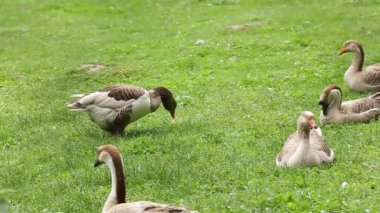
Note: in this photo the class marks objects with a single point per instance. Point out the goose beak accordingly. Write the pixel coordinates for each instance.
(172, 113)
(314, 127)
(98, 163)
(343, 50)
(325, 107)
(312, 124)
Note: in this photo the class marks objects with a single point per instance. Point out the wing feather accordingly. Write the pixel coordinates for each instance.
(124, 93)
(371, 75)
(288, 149)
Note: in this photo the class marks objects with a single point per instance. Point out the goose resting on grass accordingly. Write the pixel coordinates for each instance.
(116, 201)
(357, 78)
(354, 111)
(114, 107)
(305, 147)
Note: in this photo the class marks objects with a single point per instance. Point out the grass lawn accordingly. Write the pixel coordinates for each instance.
(239, 95)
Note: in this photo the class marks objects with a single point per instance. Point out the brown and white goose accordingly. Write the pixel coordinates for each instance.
(353, 111)
(116, 201)
(305, 147)
(357, 78)
(114, 107)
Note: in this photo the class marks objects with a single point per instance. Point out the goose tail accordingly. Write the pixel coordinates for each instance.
(331, 159)
(279, 163)
(78, 96)
(75, 105)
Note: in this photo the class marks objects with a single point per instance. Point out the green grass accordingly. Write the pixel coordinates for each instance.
(239, 97)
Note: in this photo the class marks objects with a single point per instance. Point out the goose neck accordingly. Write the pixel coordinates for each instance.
(117, 194)
(357, 62)
(155, 101)
(336, 103)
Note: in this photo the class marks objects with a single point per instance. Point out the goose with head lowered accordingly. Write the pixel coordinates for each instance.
(114, 107)
(354, 111)
(116, 201)
(357, 78)
(305, 147)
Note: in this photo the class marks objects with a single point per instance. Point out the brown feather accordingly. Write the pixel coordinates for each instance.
(371, 75)
(327, 90)
(124, 93)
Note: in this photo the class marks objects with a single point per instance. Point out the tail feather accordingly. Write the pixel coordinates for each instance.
(332, 157)
(77, 110)
(75, 107)
(78, 95)
(278, 161)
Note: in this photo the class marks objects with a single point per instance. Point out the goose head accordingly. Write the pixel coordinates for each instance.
(306, 121)
(330, 95)
(167, 99)
(351, 46)
(106, 154)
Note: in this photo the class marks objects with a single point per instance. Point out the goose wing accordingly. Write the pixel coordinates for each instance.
(371, 75)
(289, 148)
(124, 93)
(361, 105)
(357, 106)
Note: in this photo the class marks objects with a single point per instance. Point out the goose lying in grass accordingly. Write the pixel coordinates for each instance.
(113, 108)
(305, 147)
(358, 79)
(116, 201)
(354, 111)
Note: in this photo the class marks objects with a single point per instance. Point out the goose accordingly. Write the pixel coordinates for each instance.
(305, 147)
(357, 78)
(353, 111)
(113, 108)
(116, 201)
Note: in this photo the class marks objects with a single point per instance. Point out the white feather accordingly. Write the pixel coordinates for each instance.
(141, 107)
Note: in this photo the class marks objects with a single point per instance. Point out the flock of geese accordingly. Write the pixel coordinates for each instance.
(113, 108)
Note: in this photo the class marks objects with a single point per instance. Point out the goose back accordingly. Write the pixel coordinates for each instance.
(146, 207)
(371, 75)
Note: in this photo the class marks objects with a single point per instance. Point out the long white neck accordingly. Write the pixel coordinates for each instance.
(112, 197)
(117, 186)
